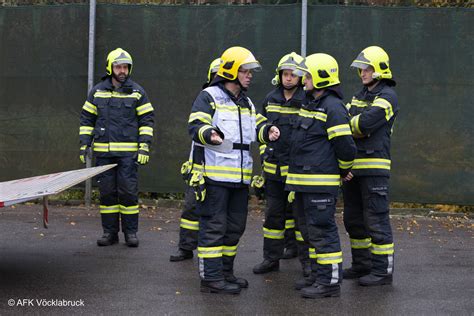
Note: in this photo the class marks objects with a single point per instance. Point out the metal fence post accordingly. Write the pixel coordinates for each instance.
(90, 83)
(304, 22)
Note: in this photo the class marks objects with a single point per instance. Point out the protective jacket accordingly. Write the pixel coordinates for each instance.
(322, 148)
(282, 113)
(236, 119)
(373, 114)
(115, 121)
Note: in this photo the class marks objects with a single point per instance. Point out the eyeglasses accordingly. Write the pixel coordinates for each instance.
(246, 72)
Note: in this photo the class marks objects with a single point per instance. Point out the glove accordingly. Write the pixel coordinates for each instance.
(84, 151)
(143, 155)
(186, 170)
(291, 196)
(199, 185)
(257, 184)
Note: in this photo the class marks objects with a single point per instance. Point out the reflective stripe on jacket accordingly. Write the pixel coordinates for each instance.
(322, 148)
(115, 121)
(373, 114)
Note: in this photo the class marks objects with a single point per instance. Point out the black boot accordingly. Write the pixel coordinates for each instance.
(320, 291)
(266, 266)
(352, 273)
(220, 287)
(304, 282)
(181, 254)
(131, 240)
(290, 253)
(234, 280)
(372, 280)
(107, 239)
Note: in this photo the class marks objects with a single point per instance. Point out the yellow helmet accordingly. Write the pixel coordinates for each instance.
(377, 58)
(118, 56)
(234, 58)
(213, 68)
(323, 69)
(289, 61)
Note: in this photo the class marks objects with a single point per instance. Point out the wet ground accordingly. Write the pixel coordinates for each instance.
(434, 272)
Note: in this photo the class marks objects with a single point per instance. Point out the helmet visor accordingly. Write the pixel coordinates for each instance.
(299, 72)
(287, 67)
(122, 61)
(255, 66)
(360, 65)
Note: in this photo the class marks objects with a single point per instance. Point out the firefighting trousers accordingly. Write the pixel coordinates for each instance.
(318, 227)
(278, 217)
(119, 194)
(366, 218)
(189, 223)
(223, 216)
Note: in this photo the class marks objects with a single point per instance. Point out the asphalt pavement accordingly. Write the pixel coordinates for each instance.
(42, 269)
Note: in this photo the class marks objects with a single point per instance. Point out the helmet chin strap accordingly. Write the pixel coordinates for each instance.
(241, 86)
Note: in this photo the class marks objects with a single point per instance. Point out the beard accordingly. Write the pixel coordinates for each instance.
(121, 77)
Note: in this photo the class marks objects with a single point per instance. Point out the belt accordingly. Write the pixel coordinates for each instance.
(241, 146)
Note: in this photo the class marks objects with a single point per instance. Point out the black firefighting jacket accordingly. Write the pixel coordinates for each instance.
(115, 121)
(282, 113)
(322, 147)
(373, 114)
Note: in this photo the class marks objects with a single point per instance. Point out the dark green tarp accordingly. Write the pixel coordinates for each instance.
(43, 80)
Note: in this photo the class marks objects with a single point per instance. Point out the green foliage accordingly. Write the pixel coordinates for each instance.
(404, 3)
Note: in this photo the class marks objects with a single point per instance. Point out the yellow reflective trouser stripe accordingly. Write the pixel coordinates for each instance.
(371, 163)
(361, 243)
(312, 253)
(289, 224)
(109, 209)
(339, 130)
(281, 109)
(355, 124)
(129, 210)
(187, 224)
(313, 179)
(284, 170)
(89, 107)
(86, 130)
(262, 149)
(269, 167)
(273, 233)
(261, 139)
(345, 164)
(329, 258)
(145, 130)
(384, 104)
(260, 119)
(210, 252)
(382, 249)
(298, 235)
(201, 116)
(145, 108)
(229, 251)
(313, 114)
(201, 133)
